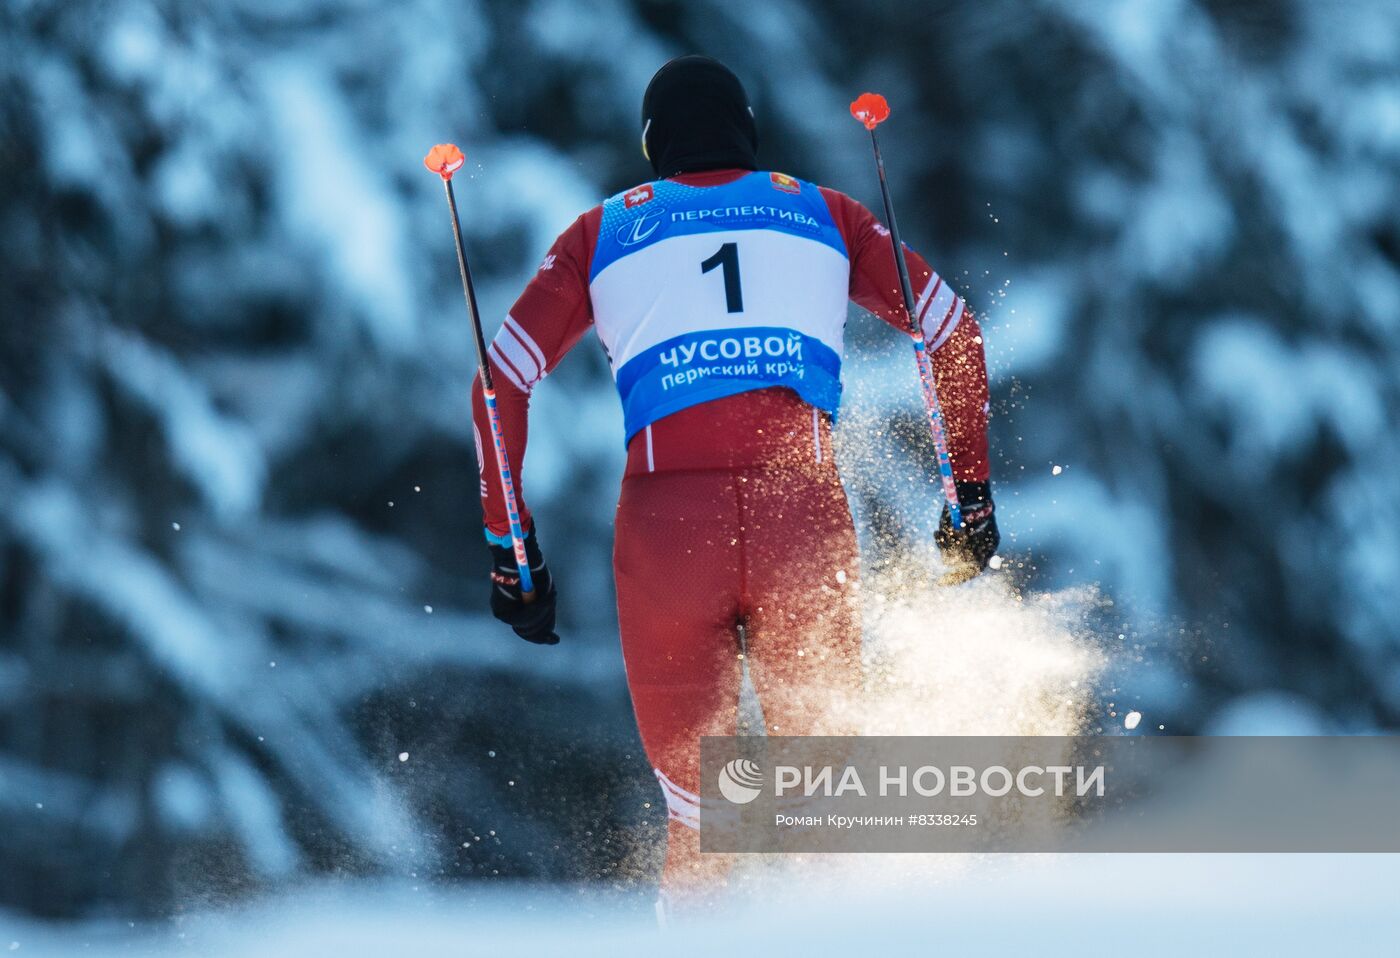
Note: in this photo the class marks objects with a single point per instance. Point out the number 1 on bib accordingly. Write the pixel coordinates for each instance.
(728, 257)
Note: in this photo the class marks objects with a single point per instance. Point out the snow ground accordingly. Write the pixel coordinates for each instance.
(1049, 905)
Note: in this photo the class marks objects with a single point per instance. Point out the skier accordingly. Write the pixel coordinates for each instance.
(719, 293)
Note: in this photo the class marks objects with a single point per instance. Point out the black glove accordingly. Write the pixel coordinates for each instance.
(969, 549)
(533, 621)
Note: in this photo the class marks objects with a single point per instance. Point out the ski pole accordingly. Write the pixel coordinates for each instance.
(871, 110)
(444, 160)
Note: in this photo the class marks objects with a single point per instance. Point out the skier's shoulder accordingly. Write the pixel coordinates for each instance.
(850, 215)
(583, 231)
(843, 205)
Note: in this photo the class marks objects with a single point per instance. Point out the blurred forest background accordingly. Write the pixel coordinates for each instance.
(243, 629)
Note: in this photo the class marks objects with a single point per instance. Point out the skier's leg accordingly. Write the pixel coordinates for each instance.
(676, 558)
(802, 575)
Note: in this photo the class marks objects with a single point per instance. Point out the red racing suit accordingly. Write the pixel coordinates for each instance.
(734, 541)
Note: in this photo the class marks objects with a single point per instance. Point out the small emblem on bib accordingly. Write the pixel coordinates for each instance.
(781, 181)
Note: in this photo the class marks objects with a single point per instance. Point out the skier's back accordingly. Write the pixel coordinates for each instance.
(719, 292)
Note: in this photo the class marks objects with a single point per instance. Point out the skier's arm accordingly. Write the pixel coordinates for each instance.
(550, 316)
(950, 330)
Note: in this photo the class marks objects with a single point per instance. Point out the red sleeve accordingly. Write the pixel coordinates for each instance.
(950, 330)
(550, 316)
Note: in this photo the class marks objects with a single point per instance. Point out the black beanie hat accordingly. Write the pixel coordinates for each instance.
(696, 116)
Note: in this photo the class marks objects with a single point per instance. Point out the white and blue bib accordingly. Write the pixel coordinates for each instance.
(701, 292)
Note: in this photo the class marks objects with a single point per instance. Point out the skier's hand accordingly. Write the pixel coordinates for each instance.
(532, 620)
(969, 549)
